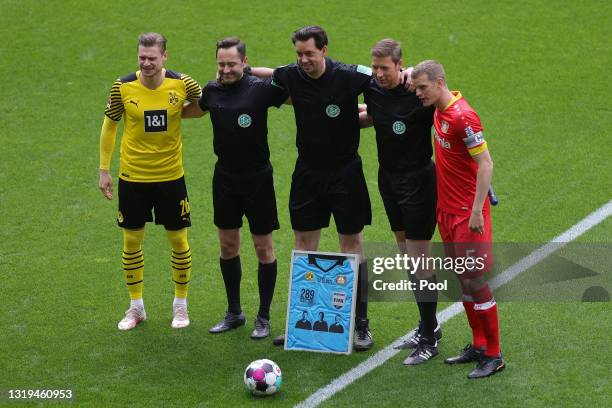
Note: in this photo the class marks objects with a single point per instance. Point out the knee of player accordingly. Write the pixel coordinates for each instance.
(265, 252)
(133, 238)
(178, 239)
(351, 247)
(305, 243)
(229, 248)
(473, 284)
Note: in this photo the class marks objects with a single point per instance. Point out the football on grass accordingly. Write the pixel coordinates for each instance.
(263, 377)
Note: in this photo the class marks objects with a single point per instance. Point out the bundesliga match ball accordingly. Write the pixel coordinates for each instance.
(263, 377)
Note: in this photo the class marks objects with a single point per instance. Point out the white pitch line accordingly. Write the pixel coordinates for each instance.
(378, 359)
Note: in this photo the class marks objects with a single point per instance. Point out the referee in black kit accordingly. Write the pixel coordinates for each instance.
(328, 177)
(406, 179)
(242, 182)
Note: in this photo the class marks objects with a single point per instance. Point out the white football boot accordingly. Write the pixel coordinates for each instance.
(133, 317)
(181, 317)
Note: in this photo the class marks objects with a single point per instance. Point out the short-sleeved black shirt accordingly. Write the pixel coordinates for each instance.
(403, 127)
(239, 115)
(326, 114)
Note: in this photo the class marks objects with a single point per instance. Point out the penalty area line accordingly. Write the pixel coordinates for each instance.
(382, 356)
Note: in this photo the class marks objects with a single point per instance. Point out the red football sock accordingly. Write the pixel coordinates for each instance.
(490, 323)
(479, 339)
(486, 310)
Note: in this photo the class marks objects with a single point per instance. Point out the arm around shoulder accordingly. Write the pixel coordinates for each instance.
(261, 72)
(192, 110)
(365, 120)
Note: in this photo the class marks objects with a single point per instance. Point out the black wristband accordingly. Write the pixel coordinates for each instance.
(248, 70)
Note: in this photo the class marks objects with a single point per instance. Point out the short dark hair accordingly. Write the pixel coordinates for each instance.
(308, 32)
(229, 42)
(151, 39)
(388, 48)
(432, 68)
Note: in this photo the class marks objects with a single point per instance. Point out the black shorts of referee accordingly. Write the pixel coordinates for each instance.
(317, 194)
(238, 194)
(409, 198)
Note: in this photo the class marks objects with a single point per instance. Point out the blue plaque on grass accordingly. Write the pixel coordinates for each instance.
(320, 309)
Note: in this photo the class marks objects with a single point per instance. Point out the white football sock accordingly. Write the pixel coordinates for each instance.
(137, 303)
(179, 302)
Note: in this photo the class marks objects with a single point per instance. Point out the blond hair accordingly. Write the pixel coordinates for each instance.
(151, 39)
(388, 48)
(433, 69)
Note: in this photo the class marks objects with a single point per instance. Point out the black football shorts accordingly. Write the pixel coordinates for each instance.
(316, 195)
(410, 200)
(167, 199)
(250, 194)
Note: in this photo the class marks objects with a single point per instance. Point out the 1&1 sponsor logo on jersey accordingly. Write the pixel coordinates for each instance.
(156, 120)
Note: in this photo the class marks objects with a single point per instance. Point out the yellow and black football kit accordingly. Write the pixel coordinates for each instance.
(151, 169)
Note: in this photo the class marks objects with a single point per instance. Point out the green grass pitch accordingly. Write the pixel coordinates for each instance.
(536, 71)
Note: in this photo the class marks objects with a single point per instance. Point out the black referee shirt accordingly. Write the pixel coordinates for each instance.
(403, 127)
(326, 114)
(239, 115)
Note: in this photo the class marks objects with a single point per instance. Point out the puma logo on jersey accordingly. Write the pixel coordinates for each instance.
(135, 103)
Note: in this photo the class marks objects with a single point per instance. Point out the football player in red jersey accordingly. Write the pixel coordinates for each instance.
(464, 169)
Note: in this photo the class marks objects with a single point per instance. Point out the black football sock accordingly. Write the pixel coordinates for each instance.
(361, 311)
(429, 304)
(429, 340)
(266, 279)
(232, 273)
(412, 277)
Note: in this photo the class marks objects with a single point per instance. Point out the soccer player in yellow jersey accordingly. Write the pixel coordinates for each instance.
(151, 169)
